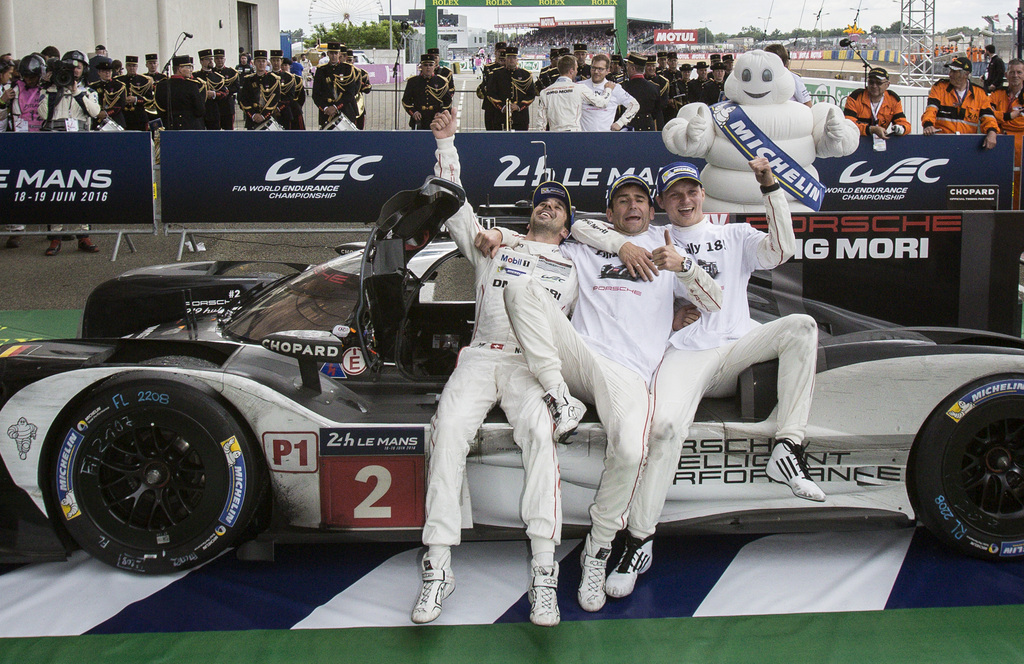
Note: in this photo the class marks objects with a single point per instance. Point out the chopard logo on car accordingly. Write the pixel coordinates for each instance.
(966, 403)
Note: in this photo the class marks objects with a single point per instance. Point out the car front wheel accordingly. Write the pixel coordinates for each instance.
(154, 475)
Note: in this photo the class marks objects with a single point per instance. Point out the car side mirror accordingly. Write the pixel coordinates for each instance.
(310, 348)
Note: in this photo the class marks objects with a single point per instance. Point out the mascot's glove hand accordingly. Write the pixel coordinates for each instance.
(834, 125)
(896, 130)
(698, 125)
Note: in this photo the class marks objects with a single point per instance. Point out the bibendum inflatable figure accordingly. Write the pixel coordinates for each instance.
(762, 86)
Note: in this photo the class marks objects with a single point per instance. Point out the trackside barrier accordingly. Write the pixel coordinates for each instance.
(295, 179)
(95, 178)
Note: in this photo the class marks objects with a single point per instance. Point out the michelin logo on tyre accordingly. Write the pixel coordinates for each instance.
(236, 479)
(982, 394)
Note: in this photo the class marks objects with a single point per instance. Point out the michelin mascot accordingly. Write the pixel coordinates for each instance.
(760, 120)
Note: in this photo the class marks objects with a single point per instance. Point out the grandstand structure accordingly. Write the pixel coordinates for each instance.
(598, 33)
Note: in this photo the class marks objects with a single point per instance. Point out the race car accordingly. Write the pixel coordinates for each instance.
(214, 405)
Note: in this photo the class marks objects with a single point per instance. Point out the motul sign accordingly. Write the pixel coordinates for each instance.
(663, 37)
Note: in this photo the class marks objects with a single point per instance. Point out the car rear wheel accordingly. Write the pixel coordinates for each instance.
(155, 475)
(966, 470)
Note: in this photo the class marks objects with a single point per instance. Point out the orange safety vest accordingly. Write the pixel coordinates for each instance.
(949, 115)
(858, 109)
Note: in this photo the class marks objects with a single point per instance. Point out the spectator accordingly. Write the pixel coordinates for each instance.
(877, 111)
(603, 119)
(800, 94)
(957, 106)
(560, 105)
(1008, 106)
(70, 108)
(996, 73)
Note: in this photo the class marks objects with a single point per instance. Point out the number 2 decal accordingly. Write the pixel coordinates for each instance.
(367, 509)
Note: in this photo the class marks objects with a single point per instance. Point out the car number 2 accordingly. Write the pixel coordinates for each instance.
(368, 509)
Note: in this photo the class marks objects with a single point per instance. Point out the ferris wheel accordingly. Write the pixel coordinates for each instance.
(353, 12)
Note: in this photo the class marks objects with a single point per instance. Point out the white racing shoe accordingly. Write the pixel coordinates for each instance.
(591, 593)
(438, 583)
(544, 596)
(636, 559)
(566, 411)
(787, 466)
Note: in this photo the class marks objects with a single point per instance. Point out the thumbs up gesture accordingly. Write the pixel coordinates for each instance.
(666, 257)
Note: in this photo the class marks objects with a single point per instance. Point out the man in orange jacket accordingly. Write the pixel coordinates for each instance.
(876, 110)
(1008, 105)
(957, 106)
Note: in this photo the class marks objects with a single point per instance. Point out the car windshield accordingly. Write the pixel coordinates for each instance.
(317, 299)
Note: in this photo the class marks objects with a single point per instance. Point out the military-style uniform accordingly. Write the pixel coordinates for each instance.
(289, 106)
(695, 86)
(226, 94)
(112, 94)
(583, 71)
(515, 86)
(260, 94)
(210, 81)
(646, 94)
(442, 71)
(426, 96)
(179, 100)
(676, 96)
(618, 76)
(335, 85)
(549, 74)
(364, 89)
(141, 87)
(492, 120)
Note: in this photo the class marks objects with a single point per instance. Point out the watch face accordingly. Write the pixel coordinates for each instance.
(687, 264)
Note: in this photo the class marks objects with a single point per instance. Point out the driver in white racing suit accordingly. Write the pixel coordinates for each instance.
(560, 105)
(706, 358)
(491, 369)
(607, 354)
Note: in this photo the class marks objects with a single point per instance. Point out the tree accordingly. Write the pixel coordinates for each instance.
(367, 35)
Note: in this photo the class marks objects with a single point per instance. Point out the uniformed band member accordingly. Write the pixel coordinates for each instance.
(335, 85)
(492, 118)
(727, 59)
(616, 73)
(713, 90)
(112, 94)
(211, 82)
(645, 92)
(426, 94)
(179, 100)
(293, 95)
(226, 95)
(511, 91)
(695, 87)
(153, 68)
(140, 90)
(583, 69)
(676, 89)
(260, 94)
(440, 70)
(364, 88)
(652, 74)
(549, 74)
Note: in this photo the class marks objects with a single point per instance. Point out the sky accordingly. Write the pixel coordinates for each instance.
(719, 16)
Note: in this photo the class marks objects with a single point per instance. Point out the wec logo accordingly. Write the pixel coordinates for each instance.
(334, 168)
(902, 171)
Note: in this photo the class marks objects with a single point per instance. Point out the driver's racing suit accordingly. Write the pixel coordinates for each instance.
(491, 369)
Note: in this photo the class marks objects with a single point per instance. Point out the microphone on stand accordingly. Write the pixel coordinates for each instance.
(188, 35)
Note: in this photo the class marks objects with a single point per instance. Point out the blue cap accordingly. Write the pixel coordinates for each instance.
(622, 181)
(676, 171)
(553, 189)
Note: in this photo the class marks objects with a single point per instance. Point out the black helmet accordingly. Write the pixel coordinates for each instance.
(32, 65)
(75, 56)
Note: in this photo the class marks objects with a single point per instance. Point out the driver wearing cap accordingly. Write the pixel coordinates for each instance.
(706, 358)
(490, 370)
(607, 354)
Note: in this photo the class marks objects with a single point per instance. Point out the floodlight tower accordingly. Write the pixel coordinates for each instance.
(917, 42)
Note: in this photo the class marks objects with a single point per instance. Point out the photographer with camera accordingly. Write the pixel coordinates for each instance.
(67, 104)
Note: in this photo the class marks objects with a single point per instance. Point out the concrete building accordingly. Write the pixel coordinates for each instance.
(137, 27)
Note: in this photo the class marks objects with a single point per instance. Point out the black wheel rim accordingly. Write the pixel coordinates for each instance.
(983, 469)
(151, 479)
